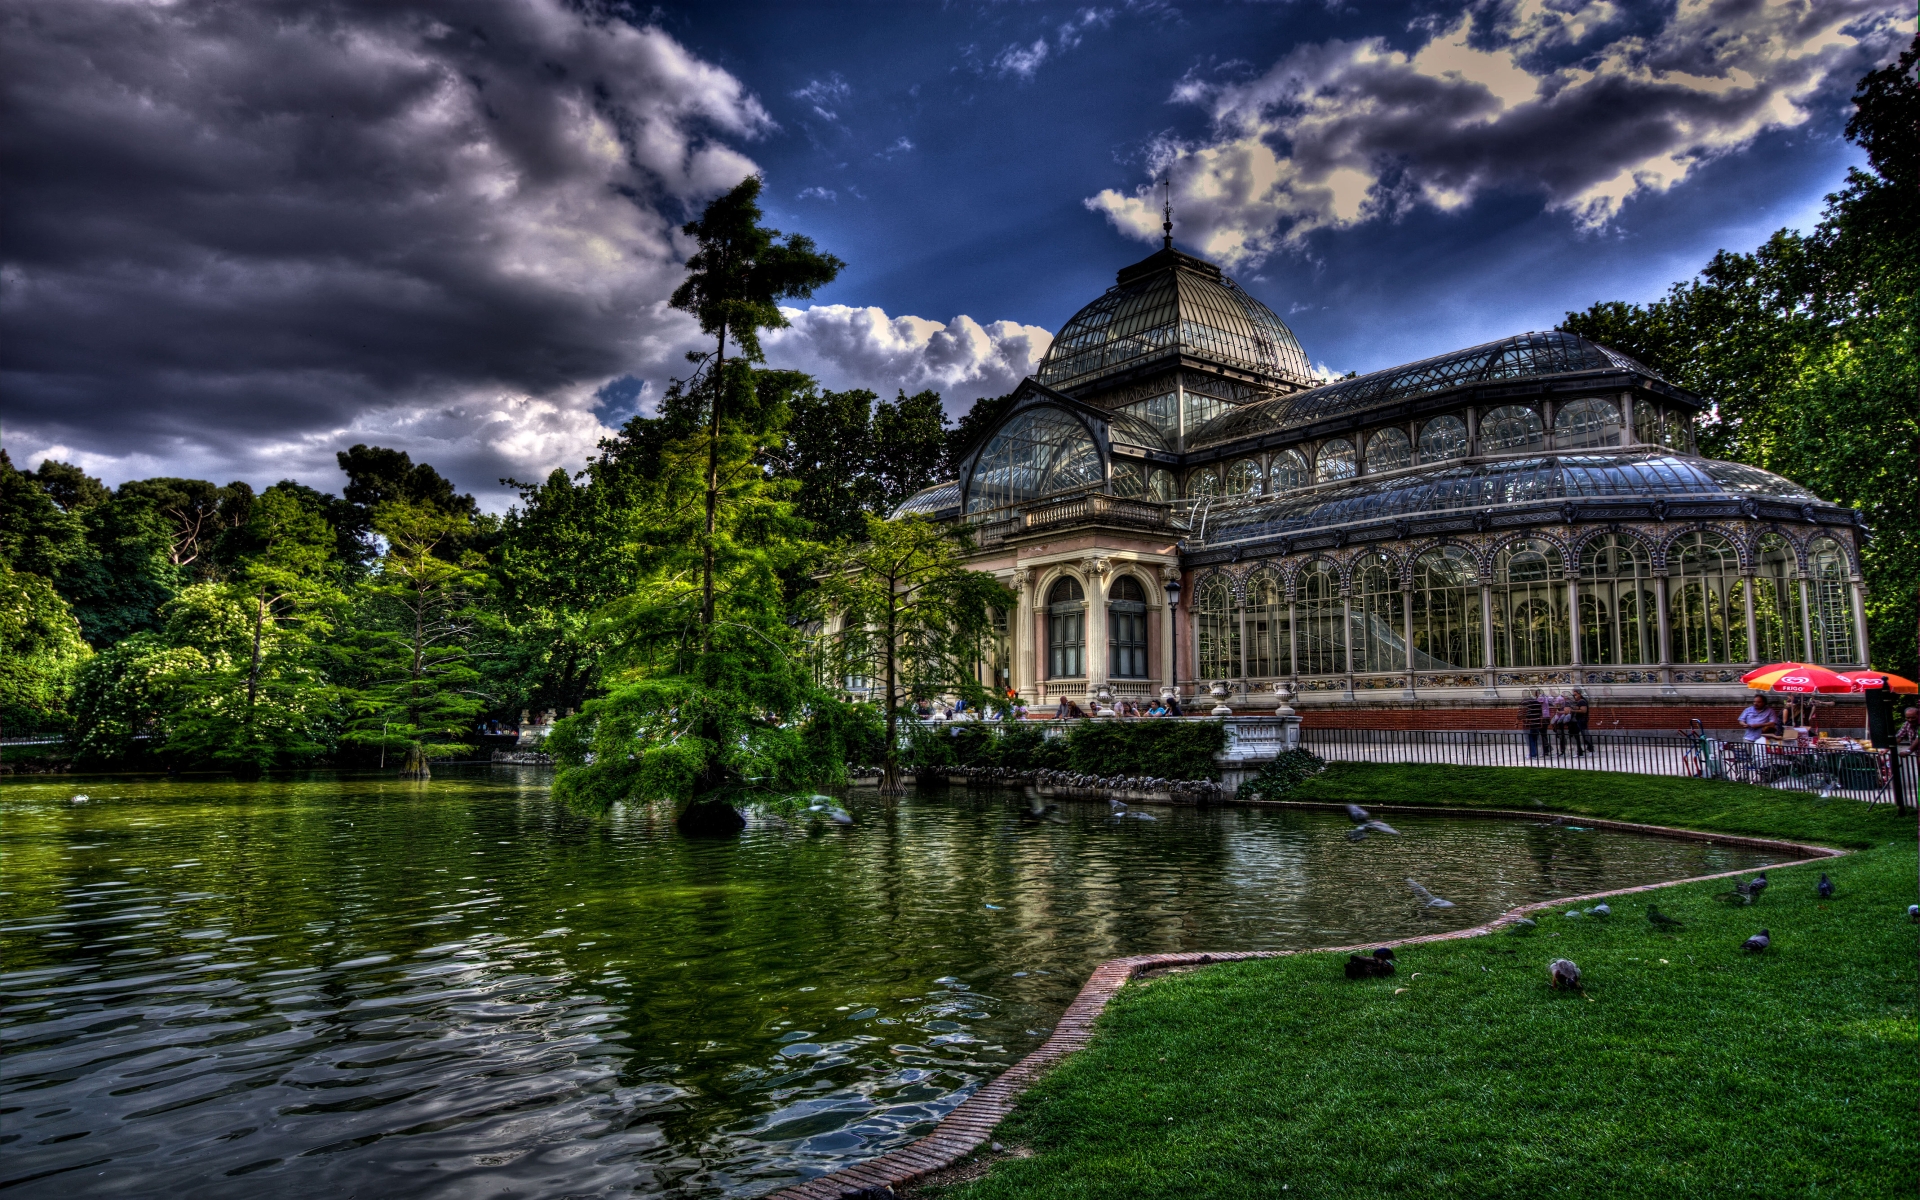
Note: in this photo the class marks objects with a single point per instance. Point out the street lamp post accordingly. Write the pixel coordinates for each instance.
(1173, 640)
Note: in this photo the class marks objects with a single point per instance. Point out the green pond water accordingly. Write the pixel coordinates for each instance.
(350, 986)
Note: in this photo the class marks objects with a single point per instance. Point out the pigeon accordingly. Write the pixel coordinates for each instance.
(1521, 924)
(1380, 827)
(1358, 815)
(1379, 965)
(1824, 887)
(1748, 892)
(79, 798)
(1758, 942)
(834, 813)
(1913, 912)
(1663, 921)
(1600, 910)
(1121, 812)
(1574, 914)
(1038, 811)
(1427, 899)
(994, 907)
(1563, 975)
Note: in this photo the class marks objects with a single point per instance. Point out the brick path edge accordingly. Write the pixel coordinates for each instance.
(972, 1121)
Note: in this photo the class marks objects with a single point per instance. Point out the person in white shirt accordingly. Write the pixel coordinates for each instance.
(1758, 717)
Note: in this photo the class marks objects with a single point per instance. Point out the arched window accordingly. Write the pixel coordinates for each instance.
(1244, 478)
(1778, 621)
(1388, 450)
(1443, 438)
(1218, 629)
(1708, 622)
(1269, 648)
(1581, 424)
(1066, 630)
(1529, 606)
(1447, 626)
(1138, 482)
(1511, 429)
(1127, 628)
(1831, 610)
(1336, 460)
(1657, 428)
(1323, 633)
(1203, 483)
(1378, 644)
(1038, 453)
(1619, 615)
(1288, 471)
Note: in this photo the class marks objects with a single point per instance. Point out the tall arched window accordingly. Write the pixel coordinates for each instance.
(1137, 482)
(1831, 609)
(1244, 478)
(1288, 471)
(1336, 460)
(1203, 483)
(1323, 632)
(1619, 614)
(1443, 438)
(1708, 622)
(1581, 424)
(1066, 630)
(1127, 628)
(1529, 606)
(1217, 619)
(1269, 648)
(1388, 450)
(1041, 451)
(1511, 429)
(1447, 629)
(1657, 428)
(1777, 617)
(1378, 644)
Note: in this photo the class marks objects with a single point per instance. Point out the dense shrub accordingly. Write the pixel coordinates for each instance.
(1283, 774)
(1156, 749)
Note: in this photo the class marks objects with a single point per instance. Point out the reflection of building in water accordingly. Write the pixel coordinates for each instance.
(1527, 513)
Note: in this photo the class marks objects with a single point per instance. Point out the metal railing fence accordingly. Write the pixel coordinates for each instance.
(1826, 772)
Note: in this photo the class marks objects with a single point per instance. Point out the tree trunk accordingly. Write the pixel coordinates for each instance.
(416, 764)
(890, 784)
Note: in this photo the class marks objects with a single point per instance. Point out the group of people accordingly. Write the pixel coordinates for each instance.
(1015, 709)
(1553, 724)
(1166, 707)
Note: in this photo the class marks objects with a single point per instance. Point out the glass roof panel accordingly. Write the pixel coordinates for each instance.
(1447, 488)
(1525, 355)
(1183, 304)
(940, 497)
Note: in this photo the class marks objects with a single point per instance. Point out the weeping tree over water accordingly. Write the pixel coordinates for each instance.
(712, 701)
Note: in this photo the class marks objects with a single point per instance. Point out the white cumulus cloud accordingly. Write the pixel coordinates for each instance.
(962, 359)
(1566, 98)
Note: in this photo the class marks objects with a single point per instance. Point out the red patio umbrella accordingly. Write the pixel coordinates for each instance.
(1868, 680)
(1796, 679)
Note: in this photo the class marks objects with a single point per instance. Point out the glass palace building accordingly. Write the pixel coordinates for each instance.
(1176, 500)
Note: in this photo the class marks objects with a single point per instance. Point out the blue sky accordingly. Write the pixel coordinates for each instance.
(242, 239)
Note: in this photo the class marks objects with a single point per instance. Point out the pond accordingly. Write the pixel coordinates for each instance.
(354, 986)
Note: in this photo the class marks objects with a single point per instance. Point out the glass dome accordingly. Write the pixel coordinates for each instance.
(1640, 476)
(1172, 302)
(1040, 451)
(1526, 355)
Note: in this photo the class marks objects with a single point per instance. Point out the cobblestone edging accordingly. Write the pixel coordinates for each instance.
(972, 1122)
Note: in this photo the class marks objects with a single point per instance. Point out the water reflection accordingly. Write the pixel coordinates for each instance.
(349, 985)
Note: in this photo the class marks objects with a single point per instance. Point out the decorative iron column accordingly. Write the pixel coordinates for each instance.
(1573, 622)
(1486, 635)
(1626, 418)
(1346, 631)
(1406, 610)
(1856, 588)
(1293, 638)
(1806, 619)
(1753, 629)
(1663, 633)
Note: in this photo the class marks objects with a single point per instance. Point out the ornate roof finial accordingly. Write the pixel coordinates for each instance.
(1166, 226)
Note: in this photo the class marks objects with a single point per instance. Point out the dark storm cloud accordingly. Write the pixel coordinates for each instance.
(1583, 101)
(238, 234)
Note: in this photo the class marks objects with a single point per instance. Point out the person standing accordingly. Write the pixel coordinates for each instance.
(1561, 723)
(1532, 721)
(1582, 716)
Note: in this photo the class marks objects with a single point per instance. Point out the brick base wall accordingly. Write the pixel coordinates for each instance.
(1657, 718)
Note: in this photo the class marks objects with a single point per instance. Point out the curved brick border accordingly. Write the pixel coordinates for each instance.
(972, 1122)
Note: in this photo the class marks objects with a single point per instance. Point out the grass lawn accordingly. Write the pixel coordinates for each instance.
(1688, 1068)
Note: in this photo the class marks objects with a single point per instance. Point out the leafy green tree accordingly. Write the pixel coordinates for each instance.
(1807, 348)
(376, 476)
(269, 706)
(909, 446)
(119, 585)
(705, 713)
(40, 651)
(196, 514)
(411, 653)
(36, 536)
(911, 615)
(829, 453)
(131, 692)
(71, 488)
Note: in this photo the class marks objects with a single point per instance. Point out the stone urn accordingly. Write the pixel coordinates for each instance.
(1220, 691)
(1103, 701)
(1283, 694)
